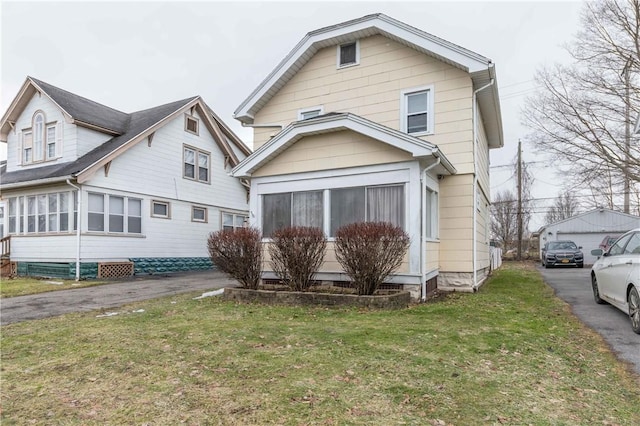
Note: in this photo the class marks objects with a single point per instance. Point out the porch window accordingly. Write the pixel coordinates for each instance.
(432, 213)
(367, 204)
(292, 209)
(13, 217)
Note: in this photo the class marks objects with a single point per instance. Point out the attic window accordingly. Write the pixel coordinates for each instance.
(191, 124)
(348, 54)
(306, 113)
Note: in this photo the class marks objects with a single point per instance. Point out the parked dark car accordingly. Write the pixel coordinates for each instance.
(562, 253)
(608, 241)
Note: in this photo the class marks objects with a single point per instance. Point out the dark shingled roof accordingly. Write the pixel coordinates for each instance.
(136, 123)
(86, 110)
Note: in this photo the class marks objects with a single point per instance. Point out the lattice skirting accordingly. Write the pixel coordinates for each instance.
(115, 269)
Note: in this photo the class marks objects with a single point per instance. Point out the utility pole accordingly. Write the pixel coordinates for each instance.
(627, 133)
(519, 212)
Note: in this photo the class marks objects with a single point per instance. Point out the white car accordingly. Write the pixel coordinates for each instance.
(615, 277)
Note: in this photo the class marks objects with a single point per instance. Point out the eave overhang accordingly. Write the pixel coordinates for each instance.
(336, 122)
(480, 68)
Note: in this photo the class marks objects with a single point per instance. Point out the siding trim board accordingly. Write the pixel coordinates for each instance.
(334, 122)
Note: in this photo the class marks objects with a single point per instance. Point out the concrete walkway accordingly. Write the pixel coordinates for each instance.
(54, 303)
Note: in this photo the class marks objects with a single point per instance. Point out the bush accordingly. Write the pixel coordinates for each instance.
(369, 252)
(296, 255)
(238, 253)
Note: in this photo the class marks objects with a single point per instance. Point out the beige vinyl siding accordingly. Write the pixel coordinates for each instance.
(372, 90)
(456, 223)
(332, 151)
(483, 156)
(433, 255)
(330, 263)
(482, 242)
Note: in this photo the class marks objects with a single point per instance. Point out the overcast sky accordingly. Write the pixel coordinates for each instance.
(132, 56)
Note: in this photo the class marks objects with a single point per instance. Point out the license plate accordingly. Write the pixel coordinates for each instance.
(565, 260)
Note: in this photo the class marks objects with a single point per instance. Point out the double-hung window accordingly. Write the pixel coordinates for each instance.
(112, 213)
(196, 164)
(417, 111)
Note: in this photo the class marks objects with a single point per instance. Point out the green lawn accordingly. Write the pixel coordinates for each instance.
(510, 354)
(21, 286)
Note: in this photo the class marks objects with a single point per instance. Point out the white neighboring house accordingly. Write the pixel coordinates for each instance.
(588, 229)
(88, 185)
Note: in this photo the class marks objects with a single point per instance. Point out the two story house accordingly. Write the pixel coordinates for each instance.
(375, 120)
(90, 191)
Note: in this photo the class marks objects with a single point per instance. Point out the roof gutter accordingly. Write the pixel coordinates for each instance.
(46, 181)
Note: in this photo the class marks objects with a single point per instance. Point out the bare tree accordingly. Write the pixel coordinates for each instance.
(564, 207)
(504, 219)
(581, 112)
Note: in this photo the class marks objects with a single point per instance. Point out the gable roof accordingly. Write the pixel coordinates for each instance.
(633, 218)
(335, 122)
(139, 125)
(480, 68)
(76, 109)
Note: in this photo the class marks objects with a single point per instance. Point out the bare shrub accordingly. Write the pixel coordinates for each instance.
(369, 252)
(238, 253)
(296, 255)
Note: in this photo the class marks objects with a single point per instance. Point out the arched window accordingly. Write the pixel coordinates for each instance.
(38, 136)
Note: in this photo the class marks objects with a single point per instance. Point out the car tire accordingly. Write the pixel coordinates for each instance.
(634, 309)
(580, 265)
(596, 292)
(546, 265)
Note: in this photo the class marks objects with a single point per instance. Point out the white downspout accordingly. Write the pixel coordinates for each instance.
(423, 231)
(79, 204)
(475, 184)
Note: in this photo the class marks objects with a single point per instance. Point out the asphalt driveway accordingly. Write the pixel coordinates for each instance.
(574, 287)
(43, 305)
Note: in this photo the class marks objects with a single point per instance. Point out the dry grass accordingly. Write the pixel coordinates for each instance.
(511, 354)
(21, 286)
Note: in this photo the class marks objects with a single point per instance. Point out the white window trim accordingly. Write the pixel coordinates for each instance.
(206, 214)
(319, 108)
(159, 216)
(430, 109)
(357, 62)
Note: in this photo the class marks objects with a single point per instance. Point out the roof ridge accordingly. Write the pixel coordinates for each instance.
(40, 83)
